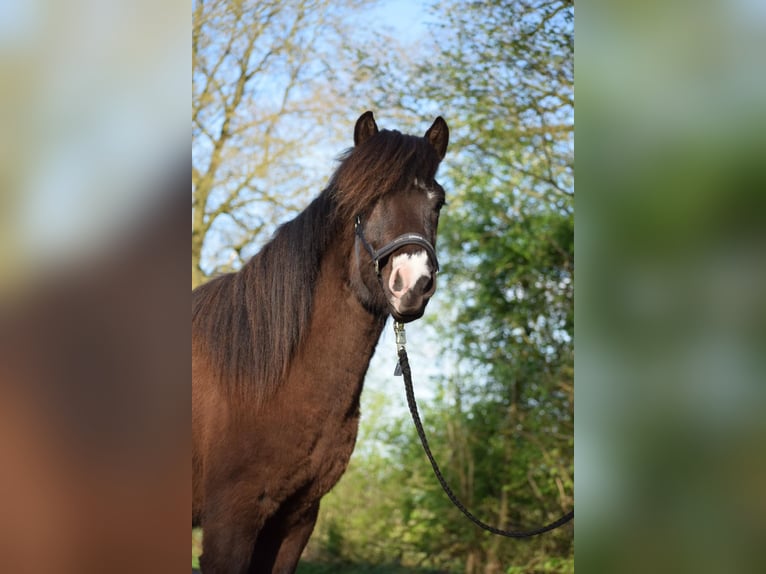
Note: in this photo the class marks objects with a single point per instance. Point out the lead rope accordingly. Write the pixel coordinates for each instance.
(403, 368)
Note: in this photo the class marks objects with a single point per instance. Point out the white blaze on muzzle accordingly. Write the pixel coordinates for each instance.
(406, 270)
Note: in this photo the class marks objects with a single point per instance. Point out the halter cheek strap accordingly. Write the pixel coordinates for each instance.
(401, 241)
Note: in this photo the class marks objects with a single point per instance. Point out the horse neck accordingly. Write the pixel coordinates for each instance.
(335, 354)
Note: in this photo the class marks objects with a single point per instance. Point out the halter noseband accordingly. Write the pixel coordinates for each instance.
(401, 241)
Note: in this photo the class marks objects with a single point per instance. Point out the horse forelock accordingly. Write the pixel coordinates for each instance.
(386, 162)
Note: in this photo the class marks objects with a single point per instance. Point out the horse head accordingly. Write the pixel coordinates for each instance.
(397, 262)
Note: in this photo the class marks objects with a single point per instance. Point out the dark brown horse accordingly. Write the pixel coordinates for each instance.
(280, 349)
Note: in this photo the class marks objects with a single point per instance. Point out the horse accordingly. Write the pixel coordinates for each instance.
(281, 347)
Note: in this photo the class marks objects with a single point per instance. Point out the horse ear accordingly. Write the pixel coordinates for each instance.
(438, 136)
(365, 128)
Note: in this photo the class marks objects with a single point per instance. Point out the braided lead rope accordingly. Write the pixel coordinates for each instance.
(404, 367)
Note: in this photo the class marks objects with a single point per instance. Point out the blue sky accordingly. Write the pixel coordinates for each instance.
(405, 18)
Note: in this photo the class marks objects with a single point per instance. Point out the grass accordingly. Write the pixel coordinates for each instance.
(333, 568)
(311, 567)
(196, 546)
(325, 568)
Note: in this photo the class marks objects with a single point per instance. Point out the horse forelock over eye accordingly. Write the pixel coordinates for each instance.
(421, 184)
(431, 191)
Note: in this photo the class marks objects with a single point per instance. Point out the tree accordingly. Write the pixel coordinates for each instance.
(263, 91)
(507, 78)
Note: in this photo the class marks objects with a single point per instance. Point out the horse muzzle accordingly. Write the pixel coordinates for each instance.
(410, 284)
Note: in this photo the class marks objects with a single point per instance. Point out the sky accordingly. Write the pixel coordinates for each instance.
(405, 18)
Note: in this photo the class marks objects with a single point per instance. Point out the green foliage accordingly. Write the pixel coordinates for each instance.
(506, 77)
(196, 546)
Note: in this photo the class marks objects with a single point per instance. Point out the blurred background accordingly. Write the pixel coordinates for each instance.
(671, 318)
(94, 359)
(94, 400)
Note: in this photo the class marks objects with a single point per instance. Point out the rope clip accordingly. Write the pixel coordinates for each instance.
(401, 341)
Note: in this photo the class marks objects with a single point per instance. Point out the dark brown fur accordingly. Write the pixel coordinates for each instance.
(280, 350)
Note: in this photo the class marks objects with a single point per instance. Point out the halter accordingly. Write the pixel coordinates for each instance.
(401, 241)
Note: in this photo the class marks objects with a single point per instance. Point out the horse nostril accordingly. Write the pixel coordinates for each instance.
(397, 283)
(429, 284)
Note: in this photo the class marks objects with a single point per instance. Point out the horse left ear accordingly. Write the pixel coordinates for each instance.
(365, 128)
(438, 136)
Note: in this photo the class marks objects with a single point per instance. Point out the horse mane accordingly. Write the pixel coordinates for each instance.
(251, 322)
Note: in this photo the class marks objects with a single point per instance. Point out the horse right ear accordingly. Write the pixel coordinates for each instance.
(365, 128)
(438, 136)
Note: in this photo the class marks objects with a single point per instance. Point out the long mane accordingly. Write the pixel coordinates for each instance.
(252, 322)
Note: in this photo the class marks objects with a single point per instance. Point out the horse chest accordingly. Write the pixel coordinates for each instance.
(305, 443)
(327, 442)
(333, 450)
(323, 395)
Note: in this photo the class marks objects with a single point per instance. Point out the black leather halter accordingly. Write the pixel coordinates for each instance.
(401, 241)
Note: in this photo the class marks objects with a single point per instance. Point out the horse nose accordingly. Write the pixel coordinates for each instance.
(411, 272)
